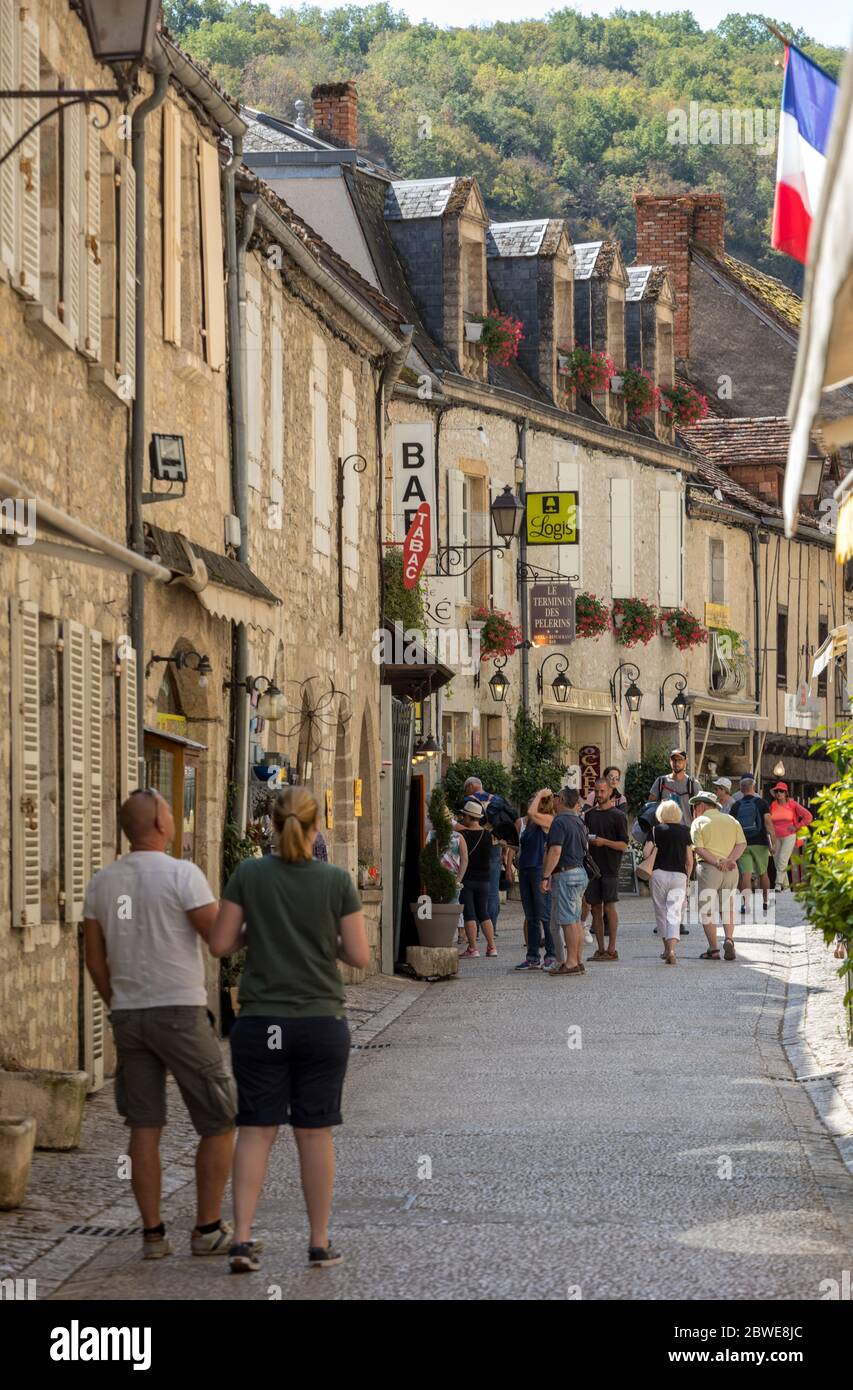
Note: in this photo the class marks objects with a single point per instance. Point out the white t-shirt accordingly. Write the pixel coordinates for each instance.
(154, 954)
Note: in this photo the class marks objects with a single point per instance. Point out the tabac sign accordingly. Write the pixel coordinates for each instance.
(551, 518)
(414, 475)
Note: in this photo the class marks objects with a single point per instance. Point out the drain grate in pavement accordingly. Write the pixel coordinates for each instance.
(101, 1232)
(367, 1047)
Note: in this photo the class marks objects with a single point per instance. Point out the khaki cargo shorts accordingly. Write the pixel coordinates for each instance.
(718, 891)
(179, 1039)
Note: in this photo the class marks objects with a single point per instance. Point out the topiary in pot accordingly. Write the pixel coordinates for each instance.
(442, 888)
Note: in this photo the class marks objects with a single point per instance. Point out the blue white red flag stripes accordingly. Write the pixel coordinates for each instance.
(808, 101)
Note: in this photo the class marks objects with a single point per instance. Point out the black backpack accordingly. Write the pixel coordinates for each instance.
(501, 820)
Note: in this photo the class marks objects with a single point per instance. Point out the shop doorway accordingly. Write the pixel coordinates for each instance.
(171, 768)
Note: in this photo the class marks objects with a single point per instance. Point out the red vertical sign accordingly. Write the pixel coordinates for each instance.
(416, 546)
(590, 763)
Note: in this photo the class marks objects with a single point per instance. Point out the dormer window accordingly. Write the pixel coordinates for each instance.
(473, 260)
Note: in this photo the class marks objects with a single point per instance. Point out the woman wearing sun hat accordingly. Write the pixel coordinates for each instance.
(475, 882)
(788, 817)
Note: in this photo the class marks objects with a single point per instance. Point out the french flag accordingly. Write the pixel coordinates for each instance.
(808, 101)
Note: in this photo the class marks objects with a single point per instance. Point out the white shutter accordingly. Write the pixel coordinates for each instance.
(26, 788)
(27, 280)
(458, 525)
(213, 259)
(172, 224)
(322, 461)
(91, 335)
(94, 1013)
(669, 548)
(254, 383)
(352, 479)
(621, 538)
(128, 727)
(74, 660)
(569, 556)
(10, 113)
(94, 1028)
(73, 265)
(126, 366)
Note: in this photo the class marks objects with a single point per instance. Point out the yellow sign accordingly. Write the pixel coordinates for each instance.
(356, 797)
(172, 724)
(330, 820)
(551, 518)
(718, 615)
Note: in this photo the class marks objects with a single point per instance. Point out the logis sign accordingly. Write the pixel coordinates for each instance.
(413, 448)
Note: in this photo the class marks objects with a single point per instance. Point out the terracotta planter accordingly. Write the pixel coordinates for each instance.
(441, 928)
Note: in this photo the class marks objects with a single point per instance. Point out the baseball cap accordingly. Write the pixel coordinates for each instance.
(723, 782)
(780, 787)
(709, 798)
(747, 777)
(678, 753)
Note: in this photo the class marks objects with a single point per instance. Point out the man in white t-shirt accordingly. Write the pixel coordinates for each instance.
(145, 917)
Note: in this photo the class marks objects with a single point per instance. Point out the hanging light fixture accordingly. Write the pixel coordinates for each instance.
(272, 704)
(120, 31)
(633, 697)
(506, 514)
(679, 706)
(430, 747)
(499, 685)
(560, 687)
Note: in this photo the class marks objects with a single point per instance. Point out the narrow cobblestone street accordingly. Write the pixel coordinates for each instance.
(598, 1171)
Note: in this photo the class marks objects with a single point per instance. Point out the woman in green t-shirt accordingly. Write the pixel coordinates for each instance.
(290, 1044)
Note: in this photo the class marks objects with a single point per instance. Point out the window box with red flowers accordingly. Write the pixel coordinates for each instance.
(686, 405)
(591, 616)
(500, 336)
(632, 620)
(682, 628)
(498, 636)
(584, 369)
(639, 392)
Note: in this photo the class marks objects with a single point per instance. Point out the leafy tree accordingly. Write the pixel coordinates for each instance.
(537, 760)
(640, 776)
(827, 857)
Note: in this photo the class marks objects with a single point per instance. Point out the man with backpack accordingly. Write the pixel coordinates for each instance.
(753, 814)
(501, 818)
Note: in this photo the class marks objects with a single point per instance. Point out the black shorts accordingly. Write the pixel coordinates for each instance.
(290, 1070)
(602, 890)
(475, 902)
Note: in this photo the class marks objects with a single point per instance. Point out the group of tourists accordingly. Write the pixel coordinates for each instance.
(145, 918)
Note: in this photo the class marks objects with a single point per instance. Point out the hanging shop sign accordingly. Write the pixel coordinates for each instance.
(172, 724)
(416, 546)
(590, 765)
(718, 615)
(552, 614)
(356, 797)
(551, 518)
(802, 710)
(413, 452)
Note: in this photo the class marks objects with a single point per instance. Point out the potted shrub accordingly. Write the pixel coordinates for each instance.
(500, 335)
(682, 628)
(686, 403)
(590, 615)
(442, 889)
(498, 636)
(641, 394)
(633, 620)
(587, 369)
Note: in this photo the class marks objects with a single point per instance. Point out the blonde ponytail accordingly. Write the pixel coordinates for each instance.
(294, 815)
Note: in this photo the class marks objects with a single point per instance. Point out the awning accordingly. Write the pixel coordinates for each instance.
(235, 607)
(225, 587)
(419, 676)
(735, 721)
(825, 356)
(177, 739)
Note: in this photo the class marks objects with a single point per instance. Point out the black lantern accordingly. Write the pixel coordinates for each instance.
(506, 514)
(430, 746)
(120, 31)
(499, 685)
(633, 696)
(680, 704)
(560, 687)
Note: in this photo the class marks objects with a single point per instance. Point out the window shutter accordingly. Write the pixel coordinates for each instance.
(28, 278)
(74, 660)
(254, 383)
(276, 394)
(458, 524)
(94, 1028)
(94, 1012)
(621, 538)
(10, 182)
(669, 548)
(213, 261)
(128, 727)
(26, 837)
(172, 224)
(91, 335)
(126, 365)
(73, 265)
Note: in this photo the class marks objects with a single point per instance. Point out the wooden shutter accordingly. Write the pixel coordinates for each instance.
(94, 1029)
(30, 189)
(212, 258)
(172, 224)
(26, 788)
(93, 268)
(10, 113)
(669, 548)
(73, 265)
(458, 525)
(128, 727)
(74, 798)
(621, 538)
(126, 365)
(254, 383)
(94, 1012)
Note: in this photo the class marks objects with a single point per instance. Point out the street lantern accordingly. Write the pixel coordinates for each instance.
(271, 704)
(430, 746)
(680, 703)
(633, 696)
(506, 514)
(499, 685)
(120, 31)
(560, 687)
(679, 706)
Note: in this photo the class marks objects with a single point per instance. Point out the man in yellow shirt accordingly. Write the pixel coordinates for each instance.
(719, 842)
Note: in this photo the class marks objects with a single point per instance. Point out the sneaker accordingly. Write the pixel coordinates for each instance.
(587, 936)
(469, 951)
(155, 1247)
(213, 1242)
(530, 965)
(322, 1259)
(548, 962)
(685, 931)
(244, 1257)
(654, 931)
(491, 950)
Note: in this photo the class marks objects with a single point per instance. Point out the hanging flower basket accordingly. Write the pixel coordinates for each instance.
(590, 616)
(498, 636)
(587, 370)
(687, 404)
(499, 337)
(473, 331)
(633, 620)
(641, 394)
(682, 628)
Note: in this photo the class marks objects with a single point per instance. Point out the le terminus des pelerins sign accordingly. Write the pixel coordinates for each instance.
(552, 614)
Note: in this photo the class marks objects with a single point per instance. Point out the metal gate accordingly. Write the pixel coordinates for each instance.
(402, 742)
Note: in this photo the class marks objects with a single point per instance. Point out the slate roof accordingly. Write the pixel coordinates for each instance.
(516, 238)
(586, 255)
(221, 569)
(644, 282)
(267, 133)
(415, 198)
(759, 439)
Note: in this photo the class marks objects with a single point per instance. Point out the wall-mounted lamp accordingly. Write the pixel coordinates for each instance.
(633, 695)
(185, 661)
(560, 685)
(272, 704)
(680, 704)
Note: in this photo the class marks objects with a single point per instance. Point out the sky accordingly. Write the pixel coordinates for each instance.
(828, 21)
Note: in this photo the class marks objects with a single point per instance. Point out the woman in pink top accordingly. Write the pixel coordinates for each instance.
(788, 817)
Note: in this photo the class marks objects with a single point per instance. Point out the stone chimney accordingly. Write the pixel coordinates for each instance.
(336, 113)
(666, 227)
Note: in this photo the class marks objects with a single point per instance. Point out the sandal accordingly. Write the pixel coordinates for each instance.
(729, 949)
(669, 958)
(598, 955)
(568, 970)
(710, 955)
(611, 955)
